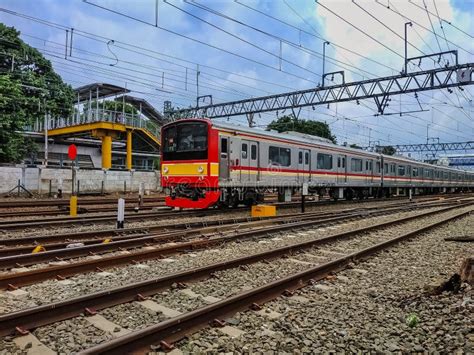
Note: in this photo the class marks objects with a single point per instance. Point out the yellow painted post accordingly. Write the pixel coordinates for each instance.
(129, 150)
(73, 206)
(106, 152)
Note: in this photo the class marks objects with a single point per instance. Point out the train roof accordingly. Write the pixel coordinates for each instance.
(314, 140)
(297, 138)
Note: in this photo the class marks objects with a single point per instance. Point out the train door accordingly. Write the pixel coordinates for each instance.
(341, 168)
(371, 171)
(303, 165)
(224, 158)
(249, 161)
(254, 162)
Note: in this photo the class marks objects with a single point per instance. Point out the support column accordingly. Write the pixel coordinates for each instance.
(106, 152)
(129, 150)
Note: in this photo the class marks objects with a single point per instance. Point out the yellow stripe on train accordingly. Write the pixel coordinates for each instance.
(189, 169)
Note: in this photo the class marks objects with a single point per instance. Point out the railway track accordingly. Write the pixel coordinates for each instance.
(173, 329)
(55, 241)
(65, 202)
(183, 241)
(167, 212)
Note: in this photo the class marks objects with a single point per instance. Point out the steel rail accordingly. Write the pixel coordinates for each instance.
(114, 233)
(69, 253)
(62, 240)
(176, 328)
(80, 210)
(65, 202)
(46, 314)
(110, 217)
(62, 271)
(295, 221)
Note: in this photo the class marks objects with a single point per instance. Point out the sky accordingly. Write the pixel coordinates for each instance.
(248, 48)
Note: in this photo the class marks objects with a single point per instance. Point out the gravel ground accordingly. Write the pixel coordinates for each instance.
(71, 336)
(7, 347)
(52, 290)
(365, 308)
(50, 230)
(132, 316)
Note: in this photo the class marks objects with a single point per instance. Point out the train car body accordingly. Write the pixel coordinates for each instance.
(205, 163)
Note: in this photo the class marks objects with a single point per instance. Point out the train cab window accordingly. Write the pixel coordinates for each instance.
(300, 158)
(184, 141)
(253, 152)
(324, 161)
(306, 158)
(244, 150)
(223, 145)
(356, 164)
(401, 170)
(279, 156)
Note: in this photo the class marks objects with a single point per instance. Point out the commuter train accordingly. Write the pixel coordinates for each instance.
(207, 163)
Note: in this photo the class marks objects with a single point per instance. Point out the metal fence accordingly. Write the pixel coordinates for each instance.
(97, 115)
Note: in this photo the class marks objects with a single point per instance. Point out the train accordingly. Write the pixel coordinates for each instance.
(205, 163)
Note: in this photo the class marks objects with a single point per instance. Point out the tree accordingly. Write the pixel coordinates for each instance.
(29, 89)
(388, 150)
(291, 123)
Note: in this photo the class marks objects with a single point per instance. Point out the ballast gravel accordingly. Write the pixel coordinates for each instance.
(71, 336)
(52, 290)
(132, 316)
(218, 215)
(365, 307)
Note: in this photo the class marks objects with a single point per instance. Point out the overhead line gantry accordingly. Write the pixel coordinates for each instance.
(378, 89)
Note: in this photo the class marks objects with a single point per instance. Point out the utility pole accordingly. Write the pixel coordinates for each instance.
(324, 58)
(46, 124)
(197, 84)
(406, 49)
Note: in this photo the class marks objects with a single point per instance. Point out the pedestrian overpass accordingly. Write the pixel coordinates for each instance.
(92, 117)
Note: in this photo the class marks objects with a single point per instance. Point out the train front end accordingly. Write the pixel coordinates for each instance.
(189, 163)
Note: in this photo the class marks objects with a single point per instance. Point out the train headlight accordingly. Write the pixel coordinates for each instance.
(200, 169)
(165, 170)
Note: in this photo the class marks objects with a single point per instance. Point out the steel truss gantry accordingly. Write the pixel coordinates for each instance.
(379, 89)
(428, 147)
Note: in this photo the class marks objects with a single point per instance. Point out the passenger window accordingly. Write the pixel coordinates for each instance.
(306, 158)
(356, 164)
(324, 161)
(300, 158)
(401, 170)
(253, 152)
(343, 162)
(377, 167)
(385, 168)
(366, 165)
(338, 162)
(279, 156)
(244, 150)
(223, 145)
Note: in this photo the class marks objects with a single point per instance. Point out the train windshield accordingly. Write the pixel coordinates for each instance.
(185, 141)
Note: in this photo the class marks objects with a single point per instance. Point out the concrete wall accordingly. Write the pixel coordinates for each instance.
(37, 179)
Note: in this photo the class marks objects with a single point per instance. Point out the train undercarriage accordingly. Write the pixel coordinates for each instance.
(232, 197)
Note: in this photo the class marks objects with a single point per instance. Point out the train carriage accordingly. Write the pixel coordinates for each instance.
(207, 163)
